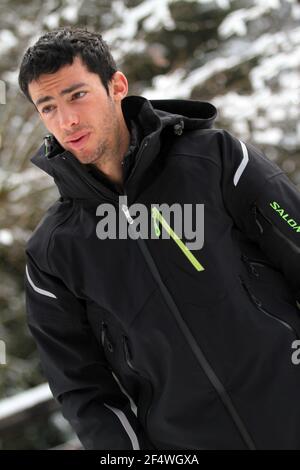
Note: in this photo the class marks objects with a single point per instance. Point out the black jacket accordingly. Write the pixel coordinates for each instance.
(141, 348)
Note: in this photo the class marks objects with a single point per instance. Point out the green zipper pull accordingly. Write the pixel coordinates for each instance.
(156, 226)
(158, 217)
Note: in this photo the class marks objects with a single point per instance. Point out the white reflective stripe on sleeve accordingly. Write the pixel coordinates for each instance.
(127, 426)
(243, 164)
(132, 404)
(37, 289)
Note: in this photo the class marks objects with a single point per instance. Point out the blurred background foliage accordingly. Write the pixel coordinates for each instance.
(243, 56)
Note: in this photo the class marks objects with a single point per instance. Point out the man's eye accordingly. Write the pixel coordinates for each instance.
(79, 94)
(47, 109)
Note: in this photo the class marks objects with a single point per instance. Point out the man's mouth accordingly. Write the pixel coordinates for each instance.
(78, 141)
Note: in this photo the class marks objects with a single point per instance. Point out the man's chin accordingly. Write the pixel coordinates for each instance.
(83, 155)
(86, 157)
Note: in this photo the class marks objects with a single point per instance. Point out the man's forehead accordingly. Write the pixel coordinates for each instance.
(63, 81)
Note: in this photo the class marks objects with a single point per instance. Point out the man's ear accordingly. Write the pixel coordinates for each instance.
(118, 86)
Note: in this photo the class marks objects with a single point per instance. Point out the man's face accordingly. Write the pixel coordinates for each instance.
(74, 106)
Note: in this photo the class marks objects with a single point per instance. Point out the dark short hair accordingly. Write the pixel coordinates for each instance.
(58, 48)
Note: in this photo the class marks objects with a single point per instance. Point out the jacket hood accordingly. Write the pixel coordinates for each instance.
(73, 178)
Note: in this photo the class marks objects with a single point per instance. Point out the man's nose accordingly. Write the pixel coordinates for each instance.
(68, 118)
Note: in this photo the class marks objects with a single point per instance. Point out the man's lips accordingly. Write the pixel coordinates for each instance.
(76, 136)
(78, 140)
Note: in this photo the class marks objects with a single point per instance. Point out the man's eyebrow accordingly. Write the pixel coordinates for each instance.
(71, 88)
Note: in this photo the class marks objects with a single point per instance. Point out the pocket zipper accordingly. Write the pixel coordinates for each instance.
(251, 263)
(255, 212)
(128, 360)
(104, 338)
(260, 307)
(157, 217)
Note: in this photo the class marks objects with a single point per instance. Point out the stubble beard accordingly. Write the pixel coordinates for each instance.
(108, 150)
(100, 155)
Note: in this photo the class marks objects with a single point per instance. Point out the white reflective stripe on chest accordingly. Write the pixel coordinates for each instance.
(126, 425)
(38, 289)
(242, 165)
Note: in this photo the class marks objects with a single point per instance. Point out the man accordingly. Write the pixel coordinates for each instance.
(153, 342)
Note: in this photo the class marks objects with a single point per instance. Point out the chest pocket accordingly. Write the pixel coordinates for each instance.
(272, 292)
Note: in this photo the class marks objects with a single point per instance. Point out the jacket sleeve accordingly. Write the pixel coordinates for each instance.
(264, 204)
(75, 366)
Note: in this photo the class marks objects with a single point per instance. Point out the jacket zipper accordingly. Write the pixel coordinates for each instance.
(259, 306)
(144, 144)
(127, 214)
(128, 360)
(158, 218)
(201, 358)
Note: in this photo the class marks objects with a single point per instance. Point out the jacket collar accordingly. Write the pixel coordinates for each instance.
(74, 180)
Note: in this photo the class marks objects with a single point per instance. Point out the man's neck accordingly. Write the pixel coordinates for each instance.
(112, 167)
